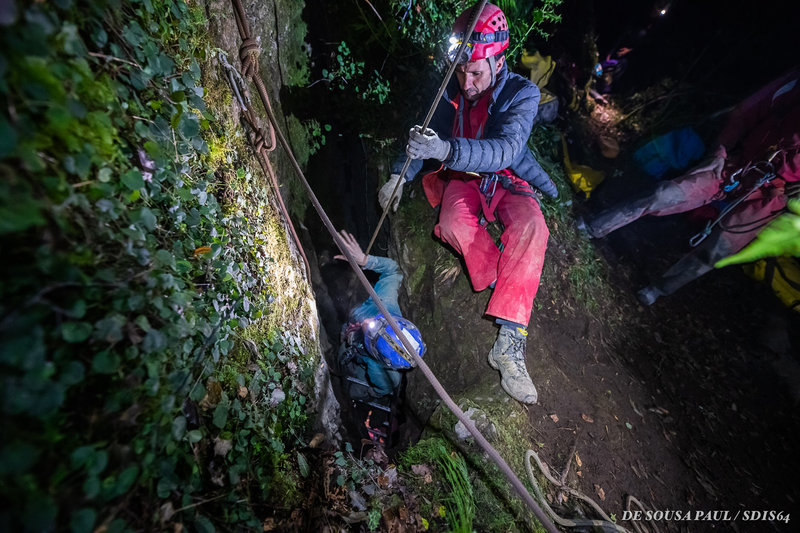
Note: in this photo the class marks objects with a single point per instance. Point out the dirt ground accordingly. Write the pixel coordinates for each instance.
(681, 405)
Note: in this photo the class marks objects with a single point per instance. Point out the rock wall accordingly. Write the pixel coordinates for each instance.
(278, 27)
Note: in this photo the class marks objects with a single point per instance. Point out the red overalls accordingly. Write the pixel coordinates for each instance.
(518, 268)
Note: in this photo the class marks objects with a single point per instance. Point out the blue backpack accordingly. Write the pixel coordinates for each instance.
(675, 150)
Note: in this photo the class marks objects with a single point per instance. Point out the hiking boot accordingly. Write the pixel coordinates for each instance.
(508, 356)
(648, 295)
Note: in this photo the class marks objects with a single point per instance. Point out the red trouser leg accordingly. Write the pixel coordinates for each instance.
(458, 226)
(520, 268)
(682, 194)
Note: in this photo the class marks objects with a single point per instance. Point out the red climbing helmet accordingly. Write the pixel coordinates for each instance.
(489, 38)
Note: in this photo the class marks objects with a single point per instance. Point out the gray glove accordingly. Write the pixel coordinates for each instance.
(426, 145)
(385, 194)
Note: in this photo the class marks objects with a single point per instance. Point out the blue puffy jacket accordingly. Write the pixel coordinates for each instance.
(515, 101)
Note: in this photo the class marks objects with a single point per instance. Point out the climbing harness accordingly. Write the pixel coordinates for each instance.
(476, 11)
(767, 171)
(248, 56)
(488, 181)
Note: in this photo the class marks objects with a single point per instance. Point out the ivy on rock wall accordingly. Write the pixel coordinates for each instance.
(145, 384)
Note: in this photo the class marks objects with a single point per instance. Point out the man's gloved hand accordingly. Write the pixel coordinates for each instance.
(385, 194)
(426, 145)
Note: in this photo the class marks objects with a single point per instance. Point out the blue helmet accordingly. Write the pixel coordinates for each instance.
(384, 345)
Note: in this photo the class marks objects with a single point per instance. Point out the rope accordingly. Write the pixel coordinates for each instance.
(476, 11)
(606, 523)
(263, 142)
(479, 438)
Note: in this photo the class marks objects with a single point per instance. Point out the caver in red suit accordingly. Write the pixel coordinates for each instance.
(479, 133)
(764, 124)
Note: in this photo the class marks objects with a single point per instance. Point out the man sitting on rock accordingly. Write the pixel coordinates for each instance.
(480, 134)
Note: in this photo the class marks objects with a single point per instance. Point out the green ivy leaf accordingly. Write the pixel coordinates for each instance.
(104, 175)
(305, 470)
(76, 331)
(165, 258)
(154, 341)
(83, 520)
(147, 218)
(143, 323)
(204, 525)
(91, 487)
(126, 480)
(195, 435)
(109, 329)
(133, 179)
(80, 456)
(97, 462)
(106, 362)
(178, 427)
(72, 374)
(221, 415)
(189, 125)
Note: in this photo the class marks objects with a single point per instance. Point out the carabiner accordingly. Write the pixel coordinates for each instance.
(733, 181)
(700, 237)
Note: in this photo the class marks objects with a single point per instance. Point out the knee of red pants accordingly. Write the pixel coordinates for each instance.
(524, 223)
(685, 193)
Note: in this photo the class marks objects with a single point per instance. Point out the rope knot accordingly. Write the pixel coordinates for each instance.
(248, 55)
(261, 142)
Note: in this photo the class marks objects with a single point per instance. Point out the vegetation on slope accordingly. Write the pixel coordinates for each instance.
(146, 380)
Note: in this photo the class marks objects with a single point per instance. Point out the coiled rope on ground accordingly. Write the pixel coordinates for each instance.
(606, 524)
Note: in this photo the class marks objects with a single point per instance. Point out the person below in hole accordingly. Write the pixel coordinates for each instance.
(371, 358)
(479, 133)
